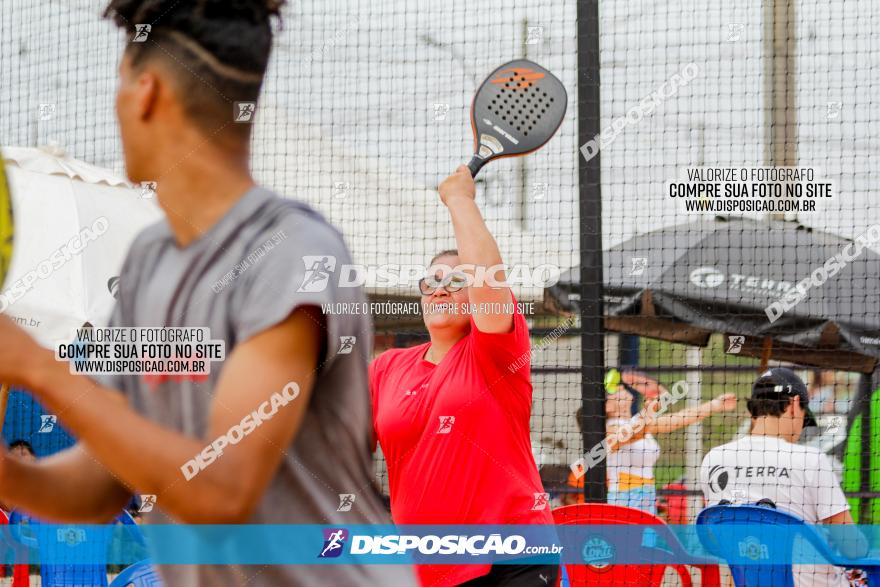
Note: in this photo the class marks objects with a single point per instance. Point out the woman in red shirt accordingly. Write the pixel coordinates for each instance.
(452, 415)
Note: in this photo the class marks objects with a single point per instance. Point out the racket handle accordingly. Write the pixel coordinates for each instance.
(475, 165)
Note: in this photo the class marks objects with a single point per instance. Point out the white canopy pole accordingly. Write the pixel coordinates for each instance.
(694, 433)
(612, 350)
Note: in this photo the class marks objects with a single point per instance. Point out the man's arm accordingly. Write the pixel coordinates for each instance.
(70, 486)
(147, 456)
(848, 539)
(477, 247)
(844, 517)
(824, 493)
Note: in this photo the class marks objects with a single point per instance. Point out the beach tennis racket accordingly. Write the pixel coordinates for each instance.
(7, 231)
(515, 111)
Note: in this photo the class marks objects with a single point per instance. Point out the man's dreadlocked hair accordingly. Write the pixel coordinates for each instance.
(219, 50)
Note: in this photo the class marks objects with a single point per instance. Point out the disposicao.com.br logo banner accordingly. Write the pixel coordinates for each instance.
(266, 544)
(598, 546)
(443, 544)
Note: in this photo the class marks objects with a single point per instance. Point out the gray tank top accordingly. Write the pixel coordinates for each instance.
(220, 282)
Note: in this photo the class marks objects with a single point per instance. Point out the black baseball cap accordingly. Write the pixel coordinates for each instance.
(784, 381)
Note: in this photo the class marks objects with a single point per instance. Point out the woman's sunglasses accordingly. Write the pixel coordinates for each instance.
(452, 282)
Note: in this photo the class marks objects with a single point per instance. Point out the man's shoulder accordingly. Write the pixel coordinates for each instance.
(158, 232)
(735, 451)
(795, 449)
(295, 233)
(300, 217)
(289, 216)
(748, 444)
(809, 458)
(734, 446)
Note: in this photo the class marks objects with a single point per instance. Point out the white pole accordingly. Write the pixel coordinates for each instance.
(780, 89)
(694, 433)
(612, 350)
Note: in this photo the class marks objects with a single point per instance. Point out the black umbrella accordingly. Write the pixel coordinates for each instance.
(745, 278)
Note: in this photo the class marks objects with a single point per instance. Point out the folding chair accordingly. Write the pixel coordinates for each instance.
(732, 544)
(648, 575)
(65, 568)
(140, 574)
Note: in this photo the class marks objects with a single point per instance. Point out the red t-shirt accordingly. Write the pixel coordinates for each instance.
(456, 437)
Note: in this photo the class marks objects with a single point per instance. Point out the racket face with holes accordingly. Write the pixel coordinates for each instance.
(7, 226)
(515, 111)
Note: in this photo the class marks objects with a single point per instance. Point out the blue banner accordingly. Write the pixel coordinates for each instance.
(599, 545)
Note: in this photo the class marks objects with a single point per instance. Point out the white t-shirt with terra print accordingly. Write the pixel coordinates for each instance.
(798, 479)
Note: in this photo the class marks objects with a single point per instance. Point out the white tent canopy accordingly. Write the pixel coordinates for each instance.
(74, 223)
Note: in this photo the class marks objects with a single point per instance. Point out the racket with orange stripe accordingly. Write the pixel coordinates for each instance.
(7, 231)
(515, 112)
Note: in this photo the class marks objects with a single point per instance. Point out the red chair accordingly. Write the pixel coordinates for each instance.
(674, 506)
(631, 575)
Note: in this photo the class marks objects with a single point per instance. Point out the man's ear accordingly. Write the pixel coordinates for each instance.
(139, 87)
(148, 84)
(789, 409)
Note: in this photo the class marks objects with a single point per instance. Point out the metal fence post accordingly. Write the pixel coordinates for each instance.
(591, 268)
